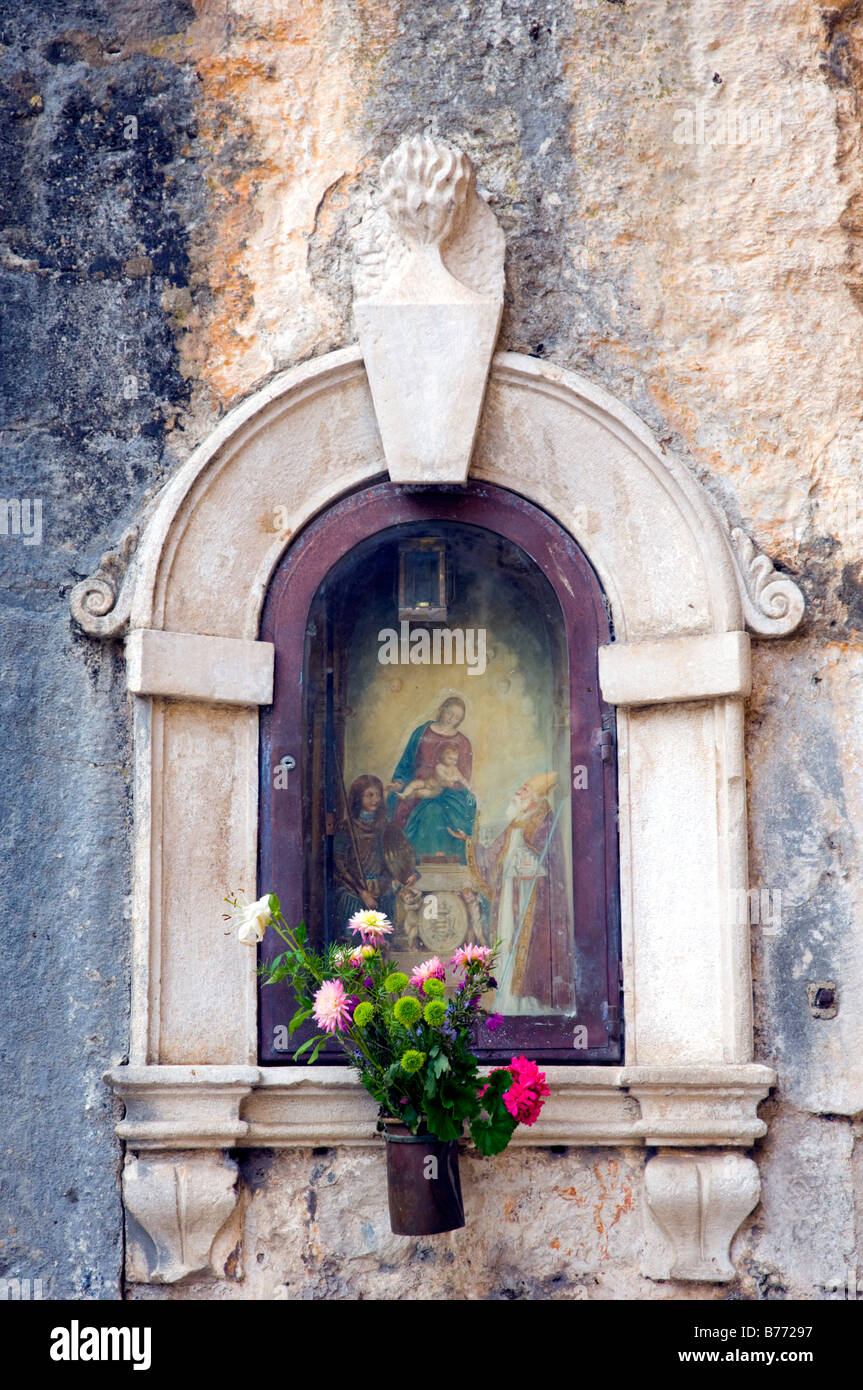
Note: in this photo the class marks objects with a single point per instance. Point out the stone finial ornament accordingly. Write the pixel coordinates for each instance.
(425, 185)
(429, 296)
(772, 603)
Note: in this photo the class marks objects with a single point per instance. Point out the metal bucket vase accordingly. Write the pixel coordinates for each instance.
(422, 1184)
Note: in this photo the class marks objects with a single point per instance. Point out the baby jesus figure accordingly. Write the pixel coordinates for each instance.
(446, 774)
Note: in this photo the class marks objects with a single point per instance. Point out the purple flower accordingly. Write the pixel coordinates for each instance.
(368, 982)
(493, 1022)
(492, 982)
(403, 1101)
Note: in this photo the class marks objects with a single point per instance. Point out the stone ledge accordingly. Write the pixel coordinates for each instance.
(191, 666)
(290, 1107)
(688, 1108)
(194, 1107)
(679, 669)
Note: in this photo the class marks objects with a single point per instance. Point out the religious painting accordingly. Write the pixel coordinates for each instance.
(442, 755)
(450, 747)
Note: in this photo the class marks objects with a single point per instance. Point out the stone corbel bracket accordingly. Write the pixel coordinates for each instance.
(179, 1184)
(695, 1203)
(179, 1208)
(429, 298)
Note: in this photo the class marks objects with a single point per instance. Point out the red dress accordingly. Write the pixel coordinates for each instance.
(428, 755)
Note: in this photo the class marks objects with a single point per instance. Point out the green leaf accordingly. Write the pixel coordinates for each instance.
(301, 934)
(494, 1087)
(314, 1056)
(441, 1124)
(492, 1136)
(301, 1049)
(298, 1019)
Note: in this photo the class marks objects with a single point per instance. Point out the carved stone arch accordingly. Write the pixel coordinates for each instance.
(681, 590)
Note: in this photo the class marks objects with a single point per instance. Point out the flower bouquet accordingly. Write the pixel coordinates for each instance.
(411, 1047)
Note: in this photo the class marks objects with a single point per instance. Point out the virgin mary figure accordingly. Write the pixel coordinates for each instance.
(430, 818)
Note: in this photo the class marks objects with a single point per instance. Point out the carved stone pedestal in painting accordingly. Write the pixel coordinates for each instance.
(437, 918)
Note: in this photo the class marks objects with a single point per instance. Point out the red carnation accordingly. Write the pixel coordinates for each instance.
(526, 1096)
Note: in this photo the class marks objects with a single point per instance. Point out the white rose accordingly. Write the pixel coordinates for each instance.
(253, 921)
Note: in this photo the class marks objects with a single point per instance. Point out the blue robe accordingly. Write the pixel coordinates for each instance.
(428, 819)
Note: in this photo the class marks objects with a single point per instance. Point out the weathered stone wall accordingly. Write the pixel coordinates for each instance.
(680, 185)
(90, 379)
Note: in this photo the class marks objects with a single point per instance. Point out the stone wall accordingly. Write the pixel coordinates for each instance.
(680, 187)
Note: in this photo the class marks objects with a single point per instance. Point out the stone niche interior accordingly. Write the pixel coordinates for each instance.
(682, 590)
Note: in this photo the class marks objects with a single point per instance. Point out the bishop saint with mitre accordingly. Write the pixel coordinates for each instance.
(524, 876)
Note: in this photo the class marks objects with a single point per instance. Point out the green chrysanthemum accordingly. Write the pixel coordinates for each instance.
(412, 1060)
(363, 1014)
(433, 988)
(395, 982)
(435, 1012)
(407, 1011)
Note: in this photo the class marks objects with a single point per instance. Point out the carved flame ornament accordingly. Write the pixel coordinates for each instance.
(429, 297)
(425, 185)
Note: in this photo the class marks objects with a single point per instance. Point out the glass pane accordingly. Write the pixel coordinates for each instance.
(443, 754)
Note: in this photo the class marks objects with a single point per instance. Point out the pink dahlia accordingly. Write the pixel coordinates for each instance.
(526, 1096)
(332, 1007)
(359, 955)
(372, 926)
(432, 969)
(468, 953)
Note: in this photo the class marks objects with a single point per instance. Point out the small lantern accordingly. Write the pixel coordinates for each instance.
(422, 580)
